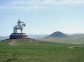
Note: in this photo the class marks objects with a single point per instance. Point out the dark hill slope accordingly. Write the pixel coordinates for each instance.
(58, 34)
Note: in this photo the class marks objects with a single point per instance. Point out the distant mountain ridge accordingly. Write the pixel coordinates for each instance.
(4, 37)
(60, 37)
(33, 36)
(77, 35)
(58, 34)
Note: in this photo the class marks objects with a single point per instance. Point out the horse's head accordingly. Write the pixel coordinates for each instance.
(23, 24)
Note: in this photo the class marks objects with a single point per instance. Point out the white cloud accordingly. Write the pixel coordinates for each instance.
(21, 4)
(36, 4)
(61, 2)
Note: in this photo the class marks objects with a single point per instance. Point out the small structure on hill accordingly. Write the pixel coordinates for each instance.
(16, 35)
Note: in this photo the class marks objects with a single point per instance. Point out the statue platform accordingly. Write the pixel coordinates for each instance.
(18, 36)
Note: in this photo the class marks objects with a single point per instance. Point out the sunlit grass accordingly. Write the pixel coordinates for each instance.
(39, 51)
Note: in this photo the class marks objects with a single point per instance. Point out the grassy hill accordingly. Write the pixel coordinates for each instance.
(69, 40)
(60, 37)
(28, 50)
(58, 34)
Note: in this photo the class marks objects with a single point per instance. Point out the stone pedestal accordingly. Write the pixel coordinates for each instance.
(18, 36)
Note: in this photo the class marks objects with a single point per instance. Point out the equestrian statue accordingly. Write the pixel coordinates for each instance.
(18, 35)
(20, 25)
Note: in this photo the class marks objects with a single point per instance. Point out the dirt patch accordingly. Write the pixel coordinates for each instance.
(71, 47)
(13, 43)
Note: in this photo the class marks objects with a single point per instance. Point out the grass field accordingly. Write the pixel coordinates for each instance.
(40, 51)
(68, 40)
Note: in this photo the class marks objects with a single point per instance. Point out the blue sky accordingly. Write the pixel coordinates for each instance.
(42, 16)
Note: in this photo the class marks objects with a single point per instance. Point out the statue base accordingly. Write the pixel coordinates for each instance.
(18, 36)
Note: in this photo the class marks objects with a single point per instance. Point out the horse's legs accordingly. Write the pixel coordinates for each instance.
(15, 30)
(21, 30)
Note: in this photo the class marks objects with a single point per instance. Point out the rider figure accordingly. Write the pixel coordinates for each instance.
(19, 22)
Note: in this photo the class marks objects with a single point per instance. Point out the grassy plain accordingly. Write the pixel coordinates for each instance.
(68, 40)
(40, 51)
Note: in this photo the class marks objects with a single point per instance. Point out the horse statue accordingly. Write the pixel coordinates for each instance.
(20, 25)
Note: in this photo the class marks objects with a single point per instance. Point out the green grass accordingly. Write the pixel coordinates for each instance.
(39, 51)
(68, 40)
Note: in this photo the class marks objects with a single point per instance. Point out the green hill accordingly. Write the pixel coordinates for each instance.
(69, 40)
(28, 50)
(58, 34)
(60, 37)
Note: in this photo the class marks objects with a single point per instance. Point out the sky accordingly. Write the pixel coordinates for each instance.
(42, 16)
